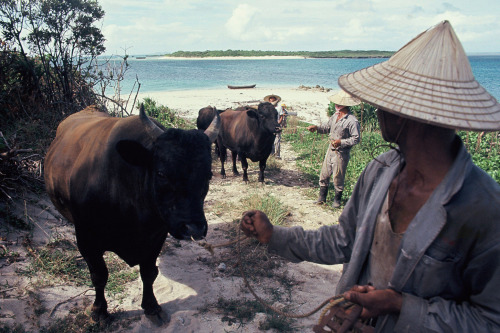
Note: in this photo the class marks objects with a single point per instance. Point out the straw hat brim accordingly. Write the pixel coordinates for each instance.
(343, 98)
(454, 100)
(278, 99)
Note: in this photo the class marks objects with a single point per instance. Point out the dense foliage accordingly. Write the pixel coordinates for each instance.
(485, 151)
(48, 70)
(307, 54)
(51, 44)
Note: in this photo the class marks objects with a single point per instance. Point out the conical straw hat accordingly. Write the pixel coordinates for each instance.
(278, 99)
(344, 98)
(429, 80)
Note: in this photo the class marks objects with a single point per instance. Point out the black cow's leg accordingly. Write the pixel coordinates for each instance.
(244, 166)
(222, 156)
(262, 167)
(99, 276)
(149, 272)
(234, 155)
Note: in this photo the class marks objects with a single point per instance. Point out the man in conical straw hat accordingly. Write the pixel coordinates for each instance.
(421, 230)
(343, 132)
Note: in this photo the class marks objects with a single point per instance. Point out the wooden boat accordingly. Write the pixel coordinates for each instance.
(241, 87)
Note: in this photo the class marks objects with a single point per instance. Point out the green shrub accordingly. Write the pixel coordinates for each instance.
(167, 117)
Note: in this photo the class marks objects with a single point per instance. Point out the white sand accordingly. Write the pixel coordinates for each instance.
(310, 105)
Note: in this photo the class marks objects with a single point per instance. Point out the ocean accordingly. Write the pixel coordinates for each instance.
(156, 74)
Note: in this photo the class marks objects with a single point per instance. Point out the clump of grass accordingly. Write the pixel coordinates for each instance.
(14, 221)
(273, 164)
(279, 323)
(275, 210)
(60, 260)
(18, 328)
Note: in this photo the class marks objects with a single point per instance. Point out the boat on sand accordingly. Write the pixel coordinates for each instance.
(241, 87)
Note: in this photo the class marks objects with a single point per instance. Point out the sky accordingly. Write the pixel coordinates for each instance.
(149, 27)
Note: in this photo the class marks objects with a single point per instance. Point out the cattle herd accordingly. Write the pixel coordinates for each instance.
(125, 183)
(246, 131)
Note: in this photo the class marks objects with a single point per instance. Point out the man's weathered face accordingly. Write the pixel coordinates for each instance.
(339, 107)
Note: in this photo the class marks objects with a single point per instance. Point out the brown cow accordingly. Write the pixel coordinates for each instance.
(125, 183)
(250, 134)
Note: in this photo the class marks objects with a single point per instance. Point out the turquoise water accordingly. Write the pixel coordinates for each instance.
(168, 75)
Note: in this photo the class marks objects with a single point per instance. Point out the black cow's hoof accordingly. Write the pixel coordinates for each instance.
(159, 319)
(97, 315)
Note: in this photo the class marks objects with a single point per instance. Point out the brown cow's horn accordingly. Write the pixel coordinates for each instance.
(151, 128)
(213, 130)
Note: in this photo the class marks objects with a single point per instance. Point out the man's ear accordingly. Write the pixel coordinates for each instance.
(134, 153)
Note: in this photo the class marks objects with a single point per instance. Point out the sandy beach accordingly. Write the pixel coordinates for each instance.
(309, 103)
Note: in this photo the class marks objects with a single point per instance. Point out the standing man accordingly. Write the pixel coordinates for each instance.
(421, 230)
(282, 114)
(343, 132)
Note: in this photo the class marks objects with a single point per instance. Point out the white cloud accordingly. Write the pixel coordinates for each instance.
(168, 25)
(239, 24)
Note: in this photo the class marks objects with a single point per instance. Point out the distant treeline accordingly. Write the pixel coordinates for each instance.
(306, 54)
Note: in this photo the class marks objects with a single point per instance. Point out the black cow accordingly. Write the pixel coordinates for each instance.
(125, 183)
(249, 133)
(205, 117)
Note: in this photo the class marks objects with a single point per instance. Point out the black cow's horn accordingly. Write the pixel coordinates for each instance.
(151, 128)
(213, 130)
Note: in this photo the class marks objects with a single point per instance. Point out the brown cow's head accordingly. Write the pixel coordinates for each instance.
(177, 174)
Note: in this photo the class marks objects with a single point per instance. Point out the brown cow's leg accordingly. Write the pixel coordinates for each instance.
(244, 166)
(234, 156)
(99, 276)
(152, 310)
(262, 167)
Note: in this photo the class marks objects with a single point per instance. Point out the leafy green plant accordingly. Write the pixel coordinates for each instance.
(165, 116)
(485, 151)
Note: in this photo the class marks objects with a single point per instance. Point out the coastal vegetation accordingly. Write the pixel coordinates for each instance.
(305, 54)
(311, 148)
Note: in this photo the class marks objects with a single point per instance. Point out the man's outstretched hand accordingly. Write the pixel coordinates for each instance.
(255, 223)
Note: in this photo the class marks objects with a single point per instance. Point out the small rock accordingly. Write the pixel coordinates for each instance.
(221, 267)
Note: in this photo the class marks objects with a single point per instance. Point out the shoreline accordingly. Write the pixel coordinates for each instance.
(309, 103)
(232, 58)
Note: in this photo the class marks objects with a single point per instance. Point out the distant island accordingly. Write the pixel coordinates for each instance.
(305, 54)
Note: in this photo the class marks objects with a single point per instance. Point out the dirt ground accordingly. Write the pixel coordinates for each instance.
(197, 289)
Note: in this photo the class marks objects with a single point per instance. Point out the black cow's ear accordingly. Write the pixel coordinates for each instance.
(134, 153)
(252, 114)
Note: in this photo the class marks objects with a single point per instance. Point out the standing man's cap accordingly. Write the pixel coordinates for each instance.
(428, 80)
(344, 98)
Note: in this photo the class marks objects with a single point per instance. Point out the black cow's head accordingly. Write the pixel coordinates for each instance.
(179, 168)
(267, 117)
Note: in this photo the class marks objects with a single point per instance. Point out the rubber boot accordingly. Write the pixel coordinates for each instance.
(336, 199)
(323, 192)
